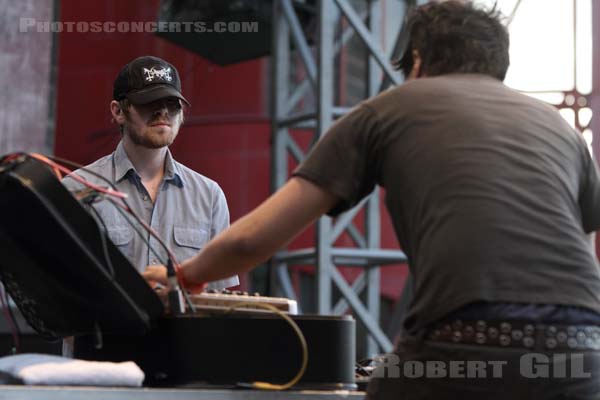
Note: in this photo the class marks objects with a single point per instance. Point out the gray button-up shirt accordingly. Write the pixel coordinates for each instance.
(189, 210)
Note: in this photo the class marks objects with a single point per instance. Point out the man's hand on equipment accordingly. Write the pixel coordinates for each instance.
(156, 276)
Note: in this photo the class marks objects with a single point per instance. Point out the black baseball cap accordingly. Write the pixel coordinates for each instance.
(147, 79)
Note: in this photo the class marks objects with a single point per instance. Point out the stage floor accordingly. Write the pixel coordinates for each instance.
(101, 393)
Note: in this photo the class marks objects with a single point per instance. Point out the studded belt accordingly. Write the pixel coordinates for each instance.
(517, 334)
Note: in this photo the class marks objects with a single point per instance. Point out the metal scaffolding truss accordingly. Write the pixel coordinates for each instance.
(317, 61)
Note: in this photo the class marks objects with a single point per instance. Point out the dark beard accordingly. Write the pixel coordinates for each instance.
(150, 141)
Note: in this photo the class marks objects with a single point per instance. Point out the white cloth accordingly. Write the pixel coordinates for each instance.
(44, 369)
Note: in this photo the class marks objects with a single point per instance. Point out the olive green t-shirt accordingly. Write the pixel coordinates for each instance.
(491, 193)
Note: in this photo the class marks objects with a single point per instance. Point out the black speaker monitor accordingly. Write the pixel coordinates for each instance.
(226, 31)
(53, 265)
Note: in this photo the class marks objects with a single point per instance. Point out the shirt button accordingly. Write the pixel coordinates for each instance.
(145, 198)
(154, 261)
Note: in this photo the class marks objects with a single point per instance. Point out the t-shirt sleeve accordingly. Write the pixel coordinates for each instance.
(345, 160)
(589, 198)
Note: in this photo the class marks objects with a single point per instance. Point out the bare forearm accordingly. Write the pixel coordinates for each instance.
(255, 237)
(223, 257)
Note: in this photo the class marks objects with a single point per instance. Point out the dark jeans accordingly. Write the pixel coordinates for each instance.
(422, 369)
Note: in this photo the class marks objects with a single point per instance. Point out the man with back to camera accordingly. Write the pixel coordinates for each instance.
(492, 196)
(185, 208)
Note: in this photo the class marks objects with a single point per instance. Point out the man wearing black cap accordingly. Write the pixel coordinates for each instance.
(184, 207)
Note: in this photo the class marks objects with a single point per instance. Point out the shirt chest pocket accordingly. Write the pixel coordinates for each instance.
(122, 237)
(188, 241)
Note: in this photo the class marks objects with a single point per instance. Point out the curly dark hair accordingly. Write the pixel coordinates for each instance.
(456, 37)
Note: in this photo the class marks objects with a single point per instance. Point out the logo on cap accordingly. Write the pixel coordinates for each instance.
(153, 73)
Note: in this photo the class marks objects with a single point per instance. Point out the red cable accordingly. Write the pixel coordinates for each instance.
(56, 166)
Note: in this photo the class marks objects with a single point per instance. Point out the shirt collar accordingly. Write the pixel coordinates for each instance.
(123, 165)
(172, 170)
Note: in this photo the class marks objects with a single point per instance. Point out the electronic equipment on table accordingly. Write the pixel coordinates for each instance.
(68, 279)
(225, 299)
